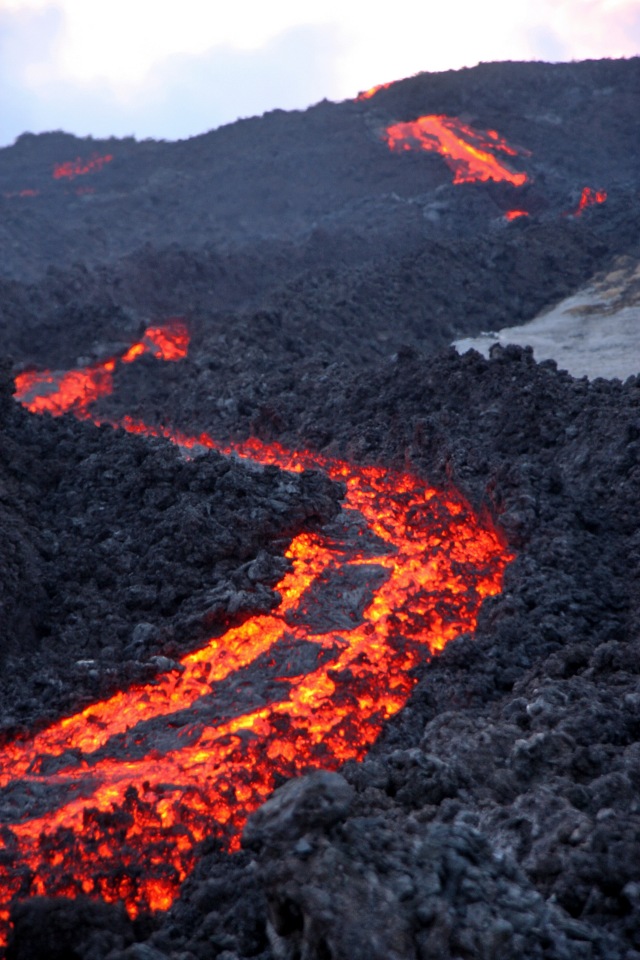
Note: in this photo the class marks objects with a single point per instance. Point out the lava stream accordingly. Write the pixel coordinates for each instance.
(589, 198)
(118, 795)
(469, 153)
(73, 391)
(515, 214)
(71, 169)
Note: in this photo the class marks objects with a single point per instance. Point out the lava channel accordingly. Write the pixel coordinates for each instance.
(118, 796)
(469, 153)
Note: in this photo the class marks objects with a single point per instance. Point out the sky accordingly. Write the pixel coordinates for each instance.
(148, 68)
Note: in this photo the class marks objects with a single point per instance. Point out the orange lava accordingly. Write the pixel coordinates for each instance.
(515, 214)
(71, 169)
(73, 391)
(367, 94)
(167, 342)
(62, 392)
(589, 198)
(120, 794)
(469, 153)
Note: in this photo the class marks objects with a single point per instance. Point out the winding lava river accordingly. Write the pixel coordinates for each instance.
(118, 796)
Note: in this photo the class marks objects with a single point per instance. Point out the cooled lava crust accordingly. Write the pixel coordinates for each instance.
(497, 813)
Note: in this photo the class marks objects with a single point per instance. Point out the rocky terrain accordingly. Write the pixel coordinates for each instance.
(322, 277)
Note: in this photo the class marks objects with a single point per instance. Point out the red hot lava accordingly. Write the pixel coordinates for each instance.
(74, 391)
(125, 789)
(367, 94)
(515, 214)
(469, 153)
(71, 169)
(589, 198)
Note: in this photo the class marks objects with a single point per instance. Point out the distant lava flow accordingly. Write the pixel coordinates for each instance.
(113, 800)
(589, 198)
(515, 214)
(21, 193)
(469, 153)
(79, 167)
(367, 94)
(74, 391)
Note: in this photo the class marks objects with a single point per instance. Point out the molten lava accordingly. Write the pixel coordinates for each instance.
(71, 169)
(589, 198)
(367, 94)
(120, 794)
(73, 391)
(515, 214)
(469, 153)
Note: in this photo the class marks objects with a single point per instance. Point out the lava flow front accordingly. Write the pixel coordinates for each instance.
(119, 795)
(469, 153)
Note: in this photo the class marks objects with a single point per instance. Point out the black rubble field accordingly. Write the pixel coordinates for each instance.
(322, 278)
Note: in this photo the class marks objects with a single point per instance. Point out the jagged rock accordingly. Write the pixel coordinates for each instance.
(344, 887)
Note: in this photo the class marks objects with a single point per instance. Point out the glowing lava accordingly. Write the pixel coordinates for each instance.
(469, 153)
(589, 198)
(515, 214)
(120, 794)
(79, 167)
(73, 391)
(367, 94)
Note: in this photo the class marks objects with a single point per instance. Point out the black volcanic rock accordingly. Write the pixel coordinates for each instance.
(63, 929)
(370, 885)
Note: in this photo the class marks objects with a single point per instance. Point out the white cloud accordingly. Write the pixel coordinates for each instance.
(181, 96)
(27, 38)
(170, 70)
(582, 29)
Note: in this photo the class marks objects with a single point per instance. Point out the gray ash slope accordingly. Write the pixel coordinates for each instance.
(499, 812)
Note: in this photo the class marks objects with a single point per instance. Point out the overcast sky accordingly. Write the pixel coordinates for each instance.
(152, 69)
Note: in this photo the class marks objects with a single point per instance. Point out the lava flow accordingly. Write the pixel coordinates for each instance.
(371, 92)
(469, 153)
(71, 169)
(73, 391)
(114, 799)
(515, 214)
(589, 198)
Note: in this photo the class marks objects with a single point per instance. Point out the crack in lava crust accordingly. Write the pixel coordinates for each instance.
(120, 794)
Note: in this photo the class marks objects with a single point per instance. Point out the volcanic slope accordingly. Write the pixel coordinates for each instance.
(351, 248)
(497, 813)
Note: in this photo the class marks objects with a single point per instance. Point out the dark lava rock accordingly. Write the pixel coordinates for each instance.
(116, 549)
(345, 886)
(61, 929)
